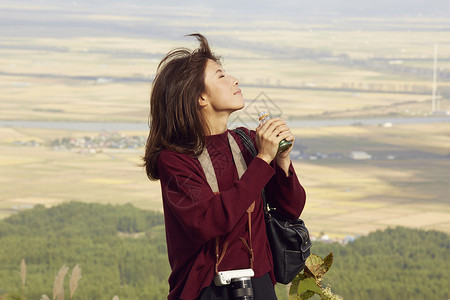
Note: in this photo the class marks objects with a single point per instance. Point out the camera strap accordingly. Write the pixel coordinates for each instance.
(241, 166)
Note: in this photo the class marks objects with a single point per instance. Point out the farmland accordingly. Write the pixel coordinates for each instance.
(308, 71)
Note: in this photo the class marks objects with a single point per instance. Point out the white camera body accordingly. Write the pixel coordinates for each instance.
(225, 277)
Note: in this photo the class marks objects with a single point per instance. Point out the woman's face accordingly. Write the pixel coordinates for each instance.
(222, 90)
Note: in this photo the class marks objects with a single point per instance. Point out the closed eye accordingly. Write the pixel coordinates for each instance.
(221, 73)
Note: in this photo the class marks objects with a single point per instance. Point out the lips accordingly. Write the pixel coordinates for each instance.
(238, 92)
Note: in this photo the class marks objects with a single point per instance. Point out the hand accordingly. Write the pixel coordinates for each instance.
(283, 159)
(268, 137)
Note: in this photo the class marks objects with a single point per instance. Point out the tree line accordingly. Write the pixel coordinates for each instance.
(397, 263)
(121, 251)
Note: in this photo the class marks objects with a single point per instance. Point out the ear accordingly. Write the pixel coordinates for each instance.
(202, 101)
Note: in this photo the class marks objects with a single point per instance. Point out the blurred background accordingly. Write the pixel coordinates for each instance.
(364, 85)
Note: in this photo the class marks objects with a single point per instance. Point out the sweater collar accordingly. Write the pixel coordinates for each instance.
(217, 141)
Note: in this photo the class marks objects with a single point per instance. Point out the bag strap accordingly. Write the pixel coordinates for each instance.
(248, 143)
(208, 168)
(211, 178)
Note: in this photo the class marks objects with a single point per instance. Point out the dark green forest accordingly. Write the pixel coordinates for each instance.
(399, 263)
(102, 239)
(121, 251)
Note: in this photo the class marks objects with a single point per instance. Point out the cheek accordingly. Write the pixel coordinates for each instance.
(217, 93)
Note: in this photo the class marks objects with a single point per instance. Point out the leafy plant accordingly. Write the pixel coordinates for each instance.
(309, 282)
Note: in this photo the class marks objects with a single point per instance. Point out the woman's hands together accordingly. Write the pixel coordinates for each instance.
(268, 137)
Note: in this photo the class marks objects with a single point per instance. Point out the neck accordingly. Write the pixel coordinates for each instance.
(217, 123)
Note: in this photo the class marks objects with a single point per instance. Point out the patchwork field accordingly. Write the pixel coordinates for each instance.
(307, 69)
(345, 196)
(109, 79)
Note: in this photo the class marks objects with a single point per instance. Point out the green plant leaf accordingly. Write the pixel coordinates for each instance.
(307, 295)
(307, 273)
(314, 263)
(314, 259)
(293, 288)
(307, 288)
(316, 266)
(328, 261)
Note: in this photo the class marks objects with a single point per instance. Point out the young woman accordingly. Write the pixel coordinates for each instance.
(206, 231)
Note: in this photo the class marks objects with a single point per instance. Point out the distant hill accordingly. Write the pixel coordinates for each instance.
(122, 251)
(399, 263)
(367, 8)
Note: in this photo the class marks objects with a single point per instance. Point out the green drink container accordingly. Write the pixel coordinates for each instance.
(284, 145)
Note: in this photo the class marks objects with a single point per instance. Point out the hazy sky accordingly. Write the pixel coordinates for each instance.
(142, 18)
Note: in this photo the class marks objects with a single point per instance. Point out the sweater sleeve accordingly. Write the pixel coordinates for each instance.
(203, 214)
(285, 193)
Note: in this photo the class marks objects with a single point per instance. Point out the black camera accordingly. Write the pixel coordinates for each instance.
(240, 283)
(241, 288)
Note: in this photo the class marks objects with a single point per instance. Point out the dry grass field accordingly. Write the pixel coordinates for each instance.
(345, 197)
(406, 182)
(108, 79)
(41, 175)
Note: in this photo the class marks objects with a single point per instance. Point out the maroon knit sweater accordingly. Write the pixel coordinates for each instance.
(195, 216)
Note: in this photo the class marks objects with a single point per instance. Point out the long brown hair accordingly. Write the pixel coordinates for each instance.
(175, 119)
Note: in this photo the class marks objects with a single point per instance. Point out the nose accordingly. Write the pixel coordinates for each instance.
(235, 81)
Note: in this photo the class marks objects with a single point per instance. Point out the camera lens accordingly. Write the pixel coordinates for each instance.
(241, 288)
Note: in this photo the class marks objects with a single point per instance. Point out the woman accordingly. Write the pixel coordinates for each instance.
(206, 231)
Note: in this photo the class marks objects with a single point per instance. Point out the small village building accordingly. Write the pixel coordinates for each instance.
(360, 155)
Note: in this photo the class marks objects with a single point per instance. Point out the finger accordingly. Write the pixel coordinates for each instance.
(290, 138)
(259, 127)
(286, 135)
(281, 130)
(267, 124)
(275, 126)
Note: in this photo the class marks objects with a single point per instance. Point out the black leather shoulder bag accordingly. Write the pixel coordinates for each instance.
(289, 239)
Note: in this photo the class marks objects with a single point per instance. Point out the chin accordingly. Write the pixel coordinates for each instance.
(237, 108)
(242, 104)
(240, 107)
